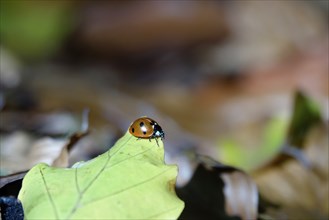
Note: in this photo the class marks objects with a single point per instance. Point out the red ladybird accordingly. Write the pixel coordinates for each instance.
(145, 127)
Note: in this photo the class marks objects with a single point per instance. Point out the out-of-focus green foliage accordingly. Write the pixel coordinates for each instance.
(236, 154)
(306, 114)
(277, 132)
(34, 29)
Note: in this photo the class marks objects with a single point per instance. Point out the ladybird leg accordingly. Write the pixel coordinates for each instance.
(156, 139)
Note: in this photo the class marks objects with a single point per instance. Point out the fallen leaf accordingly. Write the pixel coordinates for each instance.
(299, 184)
(238, 152)
(306, 114)
(19, 146)
(129, 181)
(217, 191)
(240, 190)
(4, 180)
(300, 192)
(63, 158)
(46, 150)
(11, 184)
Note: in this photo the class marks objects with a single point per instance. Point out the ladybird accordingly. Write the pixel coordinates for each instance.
(145, 127)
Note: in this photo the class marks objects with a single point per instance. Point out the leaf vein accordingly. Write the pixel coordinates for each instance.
(49, 195)
(76, 181)
(81, 193)
(128, 188)
(128, 158)
(160, 213)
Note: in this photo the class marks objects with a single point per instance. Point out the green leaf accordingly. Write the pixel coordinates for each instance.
(130, 181)
(34, 29)
(235, 153)
(306, 114)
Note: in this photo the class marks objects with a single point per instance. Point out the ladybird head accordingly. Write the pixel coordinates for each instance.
(158, 132)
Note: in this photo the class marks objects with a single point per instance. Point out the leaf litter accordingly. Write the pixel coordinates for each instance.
(218, 191)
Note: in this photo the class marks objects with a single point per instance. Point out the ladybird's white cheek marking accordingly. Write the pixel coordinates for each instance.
(157, 133)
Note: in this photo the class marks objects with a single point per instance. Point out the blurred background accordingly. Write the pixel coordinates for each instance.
(222, 78)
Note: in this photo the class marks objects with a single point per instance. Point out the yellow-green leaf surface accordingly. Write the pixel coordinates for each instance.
(130, 181)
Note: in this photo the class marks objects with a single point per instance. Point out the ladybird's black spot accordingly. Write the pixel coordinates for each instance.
(152, 123)
(141, 124)
(144, 132)
(133, 130)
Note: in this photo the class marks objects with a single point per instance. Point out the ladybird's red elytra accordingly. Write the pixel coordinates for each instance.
(146, 128)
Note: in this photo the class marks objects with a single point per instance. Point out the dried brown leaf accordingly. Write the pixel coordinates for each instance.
(63, 158)
(301, 192)
(241, 195)
(217, 191)
(4, 180)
